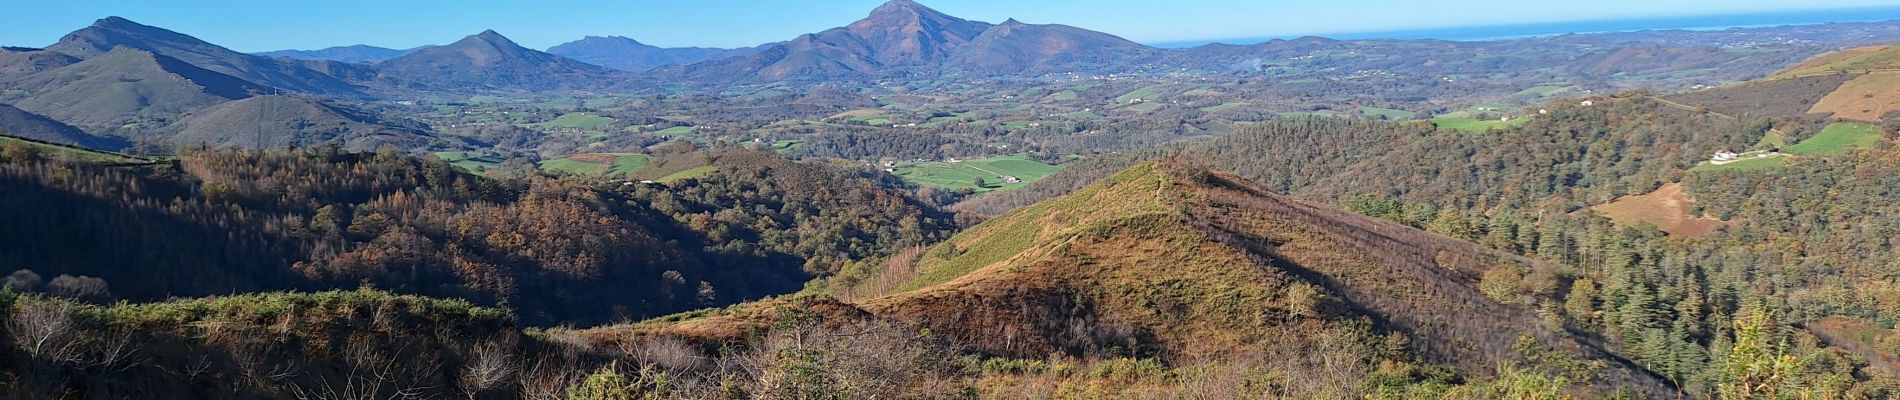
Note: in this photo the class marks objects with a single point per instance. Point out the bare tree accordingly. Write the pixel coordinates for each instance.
(491, 364)
(45, 330)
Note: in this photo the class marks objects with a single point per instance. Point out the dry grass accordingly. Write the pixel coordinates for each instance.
(1667, 208)
(1866, 98)
(1814, 64)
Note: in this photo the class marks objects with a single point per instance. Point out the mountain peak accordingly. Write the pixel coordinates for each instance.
(115, 21)
(906, 10)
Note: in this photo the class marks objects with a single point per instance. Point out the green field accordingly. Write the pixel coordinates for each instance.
(1143, 107)
(1474, 124)
(1145, 94)
(675, 131)
(581, 120)
(469, 161)
(963, 175)
(79, 154)
(1066, 95)
(1839, 138)
(1751, 164)
(688, 174)
(1387, 113)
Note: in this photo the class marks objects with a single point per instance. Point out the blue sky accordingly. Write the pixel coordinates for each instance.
(259, 25)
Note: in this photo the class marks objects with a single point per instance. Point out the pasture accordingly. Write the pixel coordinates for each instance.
(1866, 98)
(963, 175)
(1466, 124)
(1838, 138)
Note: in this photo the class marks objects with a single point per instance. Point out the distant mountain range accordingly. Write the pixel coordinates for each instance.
(630, 55)
(903, 37)
(490, 61)
(349, 54)
(125, 80)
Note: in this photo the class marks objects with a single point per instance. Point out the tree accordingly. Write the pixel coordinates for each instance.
(20, 152)
(1755, 367)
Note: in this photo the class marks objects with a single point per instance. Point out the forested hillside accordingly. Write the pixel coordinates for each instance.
(1667, 303)
(222, 221)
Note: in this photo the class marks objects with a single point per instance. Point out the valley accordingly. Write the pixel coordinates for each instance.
(917, 205)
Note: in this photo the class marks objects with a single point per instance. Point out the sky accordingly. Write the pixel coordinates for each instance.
(262, 25)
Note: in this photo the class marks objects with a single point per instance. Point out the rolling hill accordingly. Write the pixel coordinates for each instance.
(1854, 84)
(17, 122)
(490, 61)
(630, 55)
(281, 121)
(109, 33)
(125, 86)
(1179, 263)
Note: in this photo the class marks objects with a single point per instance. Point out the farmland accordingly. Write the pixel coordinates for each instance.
(598, 164)
(470, 161)
(1467, 124)
(581, 120)
(964, 175)
(1839, 138)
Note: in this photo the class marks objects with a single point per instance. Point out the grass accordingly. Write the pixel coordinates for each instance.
(688, 174)
(1474, 124)
(1387, 113)
(581, 120)
(79, 154)
(963, 175)
(1145, 94)
(469, 161)
(598, 164)
(1751, 164)
(1127, 193)
(1066, 95)
(1839, 138)
(675, 131)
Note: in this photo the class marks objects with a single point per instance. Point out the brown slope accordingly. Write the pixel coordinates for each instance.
(1174, 262)
(1201, 264)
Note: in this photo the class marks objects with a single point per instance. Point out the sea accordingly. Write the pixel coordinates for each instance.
(1518, 31)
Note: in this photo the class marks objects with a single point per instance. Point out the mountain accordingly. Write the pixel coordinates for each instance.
(126, 86)
(349, 54)
(282, 121)
(109, 33)
(17, 122)
(630, 55)
(490, 61)
(903, 37)
(1015, 47)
